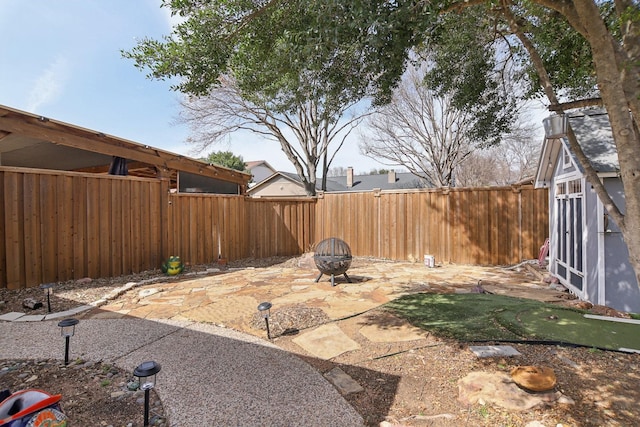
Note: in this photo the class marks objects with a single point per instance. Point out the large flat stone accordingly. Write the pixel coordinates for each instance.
(298, 297)
(499, 389)
(339, 307)
(326, 342)
(378, 333)
(11, 316)
(224, 310)
(343, 382)
(483, 351)
(31, 318)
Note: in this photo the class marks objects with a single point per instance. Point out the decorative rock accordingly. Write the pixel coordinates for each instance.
(568, 361)
(534, 378)
(566, 400)
(499, 389)
(31, 304)
(84, 281)
(117, 394)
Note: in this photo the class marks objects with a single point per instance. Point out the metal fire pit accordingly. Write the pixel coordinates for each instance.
(332, 257)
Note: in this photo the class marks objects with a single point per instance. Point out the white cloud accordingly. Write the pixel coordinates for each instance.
(49, 85)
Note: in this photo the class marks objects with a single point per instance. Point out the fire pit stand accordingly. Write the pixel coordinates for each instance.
(332, 257)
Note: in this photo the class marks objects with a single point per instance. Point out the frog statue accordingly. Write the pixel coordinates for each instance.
(172, 266)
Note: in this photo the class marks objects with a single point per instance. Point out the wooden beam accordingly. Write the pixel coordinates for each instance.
(58, 133)
(131, 166)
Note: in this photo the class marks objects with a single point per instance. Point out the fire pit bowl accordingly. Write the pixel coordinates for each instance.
(332, 257)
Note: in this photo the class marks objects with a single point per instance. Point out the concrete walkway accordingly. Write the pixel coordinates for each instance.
(210, 375)
(217, 368)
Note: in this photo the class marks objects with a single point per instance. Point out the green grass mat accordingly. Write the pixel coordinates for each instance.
(475, 317)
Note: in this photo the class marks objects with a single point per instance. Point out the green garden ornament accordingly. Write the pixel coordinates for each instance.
(172, 266)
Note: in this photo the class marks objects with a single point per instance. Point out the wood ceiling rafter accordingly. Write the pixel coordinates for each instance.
(71, 136)
(139, 169)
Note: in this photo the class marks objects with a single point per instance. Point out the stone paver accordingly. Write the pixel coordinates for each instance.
(343, 382)
(379, 333)
(11, 316)
(326, 342)
(499, 389)
(31, 318)
(231, 299)
(483, 351)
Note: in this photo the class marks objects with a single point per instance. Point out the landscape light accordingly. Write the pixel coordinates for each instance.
(67, 330)
(146, 373)
(264, 308)
(47, 290)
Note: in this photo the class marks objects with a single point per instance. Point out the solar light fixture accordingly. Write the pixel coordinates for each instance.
(264, 309)
(47, 291)
(146, 373)
(67, 330)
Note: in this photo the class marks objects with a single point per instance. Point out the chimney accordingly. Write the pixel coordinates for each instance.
(349, 177)
(392, 177)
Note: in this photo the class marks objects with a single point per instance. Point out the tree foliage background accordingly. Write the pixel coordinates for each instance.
(335, 50)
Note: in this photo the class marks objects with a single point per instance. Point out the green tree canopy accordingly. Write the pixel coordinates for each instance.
(226, 159)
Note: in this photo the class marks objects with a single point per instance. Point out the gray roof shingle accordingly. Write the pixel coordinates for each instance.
(593, 131)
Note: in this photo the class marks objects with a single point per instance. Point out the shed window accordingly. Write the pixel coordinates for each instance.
(566, 159)
(575, 186)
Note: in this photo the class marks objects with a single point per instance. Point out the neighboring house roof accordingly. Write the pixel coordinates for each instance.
(593, 132)
(391, 181)
(255, 163)
(32, 141)
(260, 170)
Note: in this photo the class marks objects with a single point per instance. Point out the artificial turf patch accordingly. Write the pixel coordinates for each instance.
(476, 317)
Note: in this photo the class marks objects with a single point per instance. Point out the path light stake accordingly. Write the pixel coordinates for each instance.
(47, 290)
(146, 373)
(67, 330)
(264, 308)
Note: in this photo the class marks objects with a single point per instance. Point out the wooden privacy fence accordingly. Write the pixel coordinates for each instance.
(56, 226)
(485, 226)
(205, 227)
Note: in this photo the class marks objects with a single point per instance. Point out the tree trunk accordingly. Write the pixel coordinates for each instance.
(618, 96)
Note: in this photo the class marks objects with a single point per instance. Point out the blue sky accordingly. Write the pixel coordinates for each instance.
(61, 59)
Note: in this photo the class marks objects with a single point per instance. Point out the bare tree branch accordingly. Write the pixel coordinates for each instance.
(306, 136)
(420, 131)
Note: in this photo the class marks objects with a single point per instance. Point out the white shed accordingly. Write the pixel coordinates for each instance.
(586, 250)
